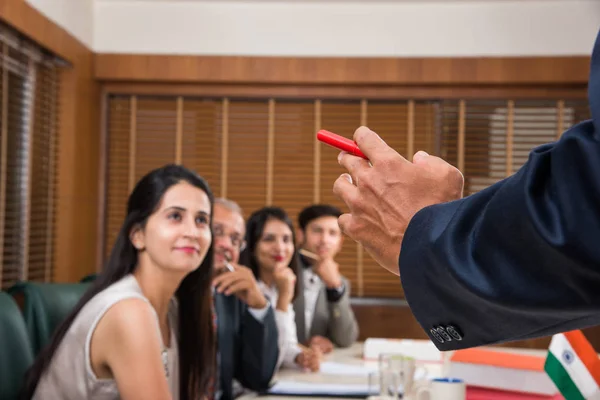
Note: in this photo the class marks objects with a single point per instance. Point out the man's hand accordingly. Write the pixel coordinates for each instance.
(384, 196)
(322, 343)
(310, 359)
(329, 272)
(241, 283)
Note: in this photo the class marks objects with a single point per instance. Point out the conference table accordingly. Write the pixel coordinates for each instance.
(353, 357)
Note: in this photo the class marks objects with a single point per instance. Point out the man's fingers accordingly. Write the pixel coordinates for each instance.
(226, 283)
(346, 224)
(419, 157)
(236, 287)
(424, 159)
(345, 190)
(440, 167)
(353, 164)
(218, 280)
(372, 145)
(224, 278)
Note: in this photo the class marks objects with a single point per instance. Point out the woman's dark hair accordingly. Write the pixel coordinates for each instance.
(254, 230)
(196, 338)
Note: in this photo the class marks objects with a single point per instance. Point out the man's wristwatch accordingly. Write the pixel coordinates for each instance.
(334, 294)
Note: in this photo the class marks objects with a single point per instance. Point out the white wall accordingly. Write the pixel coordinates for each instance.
(350, 28)
(75, 16)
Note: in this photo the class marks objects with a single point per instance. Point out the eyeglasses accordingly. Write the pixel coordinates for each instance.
(236, 239)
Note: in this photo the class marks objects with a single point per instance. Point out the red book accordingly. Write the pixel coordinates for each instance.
(476, 393)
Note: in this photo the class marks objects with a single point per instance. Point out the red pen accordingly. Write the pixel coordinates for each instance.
(340, 142)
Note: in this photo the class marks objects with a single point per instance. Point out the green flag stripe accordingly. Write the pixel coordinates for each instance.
(561, 378)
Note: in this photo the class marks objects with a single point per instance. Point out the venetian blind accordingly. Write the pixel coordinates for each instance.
(407, 127)
(263, 151)
(247, 153)
(489, 140)
(28, 149)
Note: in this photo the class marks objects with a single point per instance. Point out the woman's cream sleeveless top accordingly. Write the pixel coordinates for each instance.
(69, 375)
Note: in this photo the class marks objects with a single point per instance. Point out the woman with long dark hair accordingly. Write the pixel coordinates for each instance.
(271, 254)
(144, 328)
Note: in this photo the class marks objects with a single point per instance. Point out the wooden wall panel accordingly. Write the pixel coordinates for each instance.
(33, 24)
(79, 140)
(387, 321)
(79, 174)
(341, 70)
(396, 321)
(345, 92)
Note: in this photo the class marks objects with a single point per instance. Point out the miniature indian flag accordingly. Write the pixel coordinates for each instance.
(573, 366)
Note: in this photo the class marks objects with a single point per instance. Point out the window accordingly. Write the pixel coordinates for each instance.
(263, 151)
(28, 148)
(497, 135)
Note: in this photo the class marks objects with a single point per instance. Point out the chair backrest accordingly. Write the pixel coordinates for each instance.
(45, 306)
(89, 278)
(16, 354)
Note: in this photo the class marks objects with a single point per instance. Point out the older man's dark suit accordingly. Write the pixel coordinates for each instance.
(248, 348)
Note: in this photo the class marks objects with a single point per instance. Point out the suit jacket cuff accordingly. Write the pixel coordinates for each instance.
(259, 313)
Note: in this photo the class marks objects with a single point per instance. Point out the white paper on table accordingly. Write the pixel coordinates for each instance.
(315, 389)
(299, 388)
(335, 368)
(420, 350)
(340, 369)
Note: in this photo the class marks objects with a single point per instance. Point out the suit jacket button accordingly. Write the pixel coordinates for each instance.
(454, 332)
(436, 335)
(444, 334)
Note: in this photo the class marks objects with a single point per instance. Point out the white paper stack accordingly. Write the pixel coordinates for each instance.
(502, 370)
(291, 387)
(420, 350)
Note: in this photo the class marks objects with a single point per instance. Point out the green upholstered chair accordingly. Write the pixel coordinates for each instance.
(45, 306)
(16, 354)
(89, 278)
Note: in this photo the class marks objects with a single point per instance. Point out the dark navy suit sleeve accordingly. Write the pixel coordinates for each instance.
(520, 259)
(259, 351)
